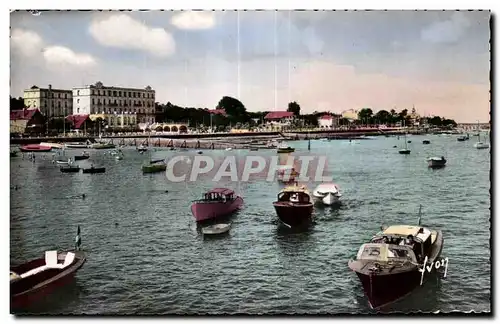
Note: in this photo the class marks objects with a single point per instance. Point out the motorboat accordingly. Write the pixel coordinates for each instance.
(481, 145)
(154, 167)
(404, 151)
(53, 145)
(216, 229)
(64, 162)
(426, 142)
(436, 162)
(93, 169)
(35, 148)
(77, 145)
(285, 149)
(392, 264)
(229, 149)
(142, 149)
(31, 281)
(327, 193)
(218, 202)
(102, 146)
(463, 138)
(83, 156)
(70, 168)
(294, 206)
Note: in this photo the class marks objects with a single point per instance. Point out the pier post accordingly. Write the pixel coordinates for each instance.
(198, 144)
(309, 145)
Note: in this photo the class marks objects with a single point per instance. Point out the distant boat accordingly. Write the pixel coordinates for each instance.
(53, 145)
(77, 145)
(463, 138)
(31, 281)
(285, 149)
(93, 169)
(327, 193)
(142, 149)
(216, 229)
(35, 148)
(83, 156)
(215, 203)
(436, 162)
(154, 167)
(426, 142)
(229, 149)
(294, 206)
(102, 146)
(70, 169)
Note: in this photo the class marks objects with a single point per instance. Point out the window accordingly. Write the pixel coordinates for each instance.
(77, 110)
(114, 93)
(129, 94)
(119, 93)
(77, 92)
(93, 101)
(104, 101)
(77, 100)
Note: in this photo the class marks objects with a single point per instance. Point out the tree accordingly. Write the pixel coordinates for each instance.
(365, 115)
(233, 107)
(16, 104)
(294, 107)
(382, 117)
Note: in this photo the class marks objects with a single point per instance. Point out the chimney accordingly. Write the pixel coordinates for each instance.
(50, 86)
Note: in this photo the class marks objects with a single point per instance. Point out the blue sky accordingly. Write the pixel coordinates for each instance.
(325, 60)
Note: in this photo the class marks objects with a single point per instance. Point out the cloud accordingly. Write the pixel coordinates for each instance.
(64, 55)
(193, 20)
(448, 31)
(122, 31)
(27, 42)
(32, 46)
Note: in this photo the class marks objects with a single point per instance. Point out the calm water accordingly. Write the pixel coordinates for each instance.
(146, 257)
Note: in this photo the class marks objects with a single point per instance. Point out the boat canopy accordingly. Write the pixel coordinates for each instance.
(385, 252)
(326, 188)
(219, 194)
(419, 232)
(222, 191)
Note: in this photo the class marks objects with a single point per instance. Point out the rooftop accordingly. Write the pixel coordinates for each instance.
(279, 114)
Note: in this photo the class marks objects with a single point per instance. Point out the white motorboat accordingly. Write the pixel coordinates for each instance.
(436, 162)
(216, 229)
(77, 145)
(327, 193)
(481, 145)
(229, 149)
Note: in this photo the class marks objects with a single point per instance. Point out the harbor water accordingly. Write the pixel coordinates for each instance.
(146, 257)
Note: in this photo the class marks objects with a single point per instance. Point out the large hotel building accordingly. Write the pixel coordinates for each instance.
(98, 99)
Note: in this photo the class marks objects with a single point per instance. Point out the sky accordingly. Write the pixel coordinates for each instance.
(437, 61)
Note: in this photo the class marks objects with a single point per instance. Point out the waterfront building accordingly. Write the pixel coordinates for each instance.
(328, 121)
(277, 120)
(80, 122)
(123, 120)
(350, 114)
(51, 102)
(111, 100)
(173, 127)
(26, 121)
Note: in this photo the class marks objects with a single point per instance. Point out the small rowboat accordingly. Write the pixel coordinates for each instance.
(35, 148)
(216, 229)
(31, 281)
(70, 169)
(94, 170)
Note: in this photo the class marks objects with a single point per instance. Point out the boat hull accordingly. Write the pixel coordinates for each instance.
(382, 290)
(406, 152)
(293, 214)
(81, 157)
(35, 148)
(94, 170)
(436, 164)
(328, 199)
(70, 170)
(203, 211)
(49, 284)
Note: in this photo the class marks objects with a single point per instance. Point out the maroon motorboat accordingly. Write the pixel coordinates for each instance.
(35, 148)
(390, 266)
(218, 202)
(30, 281)
(294, 206)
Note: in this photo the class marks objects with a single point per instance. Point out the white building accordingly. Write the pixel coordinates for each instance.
(279, 119)
(328, 121)
(50, 102)
(100, 99)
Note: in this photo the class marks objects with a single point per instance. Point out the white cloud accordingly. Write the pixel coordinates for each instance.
(122, 31)
(64, 55)
(448, 31)
(193, 20)
(27, 42)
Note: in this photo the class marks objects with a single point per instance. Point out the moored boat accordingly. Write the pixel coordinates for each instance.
(426, 142)
(102, 146)
(93, 169)
(142, 149)
(481, 145)
(392, 264)
(463, 138)
(35, 148)
(77, 145)
(218, 202)
(31, 281)
(327, 194)
(53, 145)
(154, 167)
(83, 156)
(70, 169)
(285, 149)
(436, 162)
(294, 206)
(216, 229)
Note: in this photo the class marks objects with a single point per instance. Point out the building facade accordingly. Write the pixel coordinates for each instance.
(114, 121)
(277, 120)
(328, 121)
(51, 102)
(351, 114)
(108, 100)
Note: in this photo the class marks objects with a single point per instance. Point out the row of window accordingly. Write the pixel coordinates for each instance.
(119, 93)
(44, 104)
(53, 95)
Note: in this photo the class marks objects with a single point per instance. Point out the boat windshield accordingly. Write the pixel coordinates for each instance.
(385, 252)
(211, 196)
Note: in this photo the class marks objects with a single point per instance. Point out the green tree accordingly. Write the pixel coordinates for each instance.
(16, 104)
(365, 115)
(382, 117)
(232, 106)
(294, 107)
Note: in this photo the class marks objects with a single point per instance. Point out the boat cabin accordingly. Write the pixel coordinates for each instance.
(419, 239)
(295, 195)
(219, 195)
(383, 252)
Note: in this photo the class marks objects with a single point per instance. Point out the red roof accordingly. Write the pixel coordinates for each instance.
(217, 112)
(223, 191)
(24, 114)
(326, 117)
(279, 114)
(77, 120)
